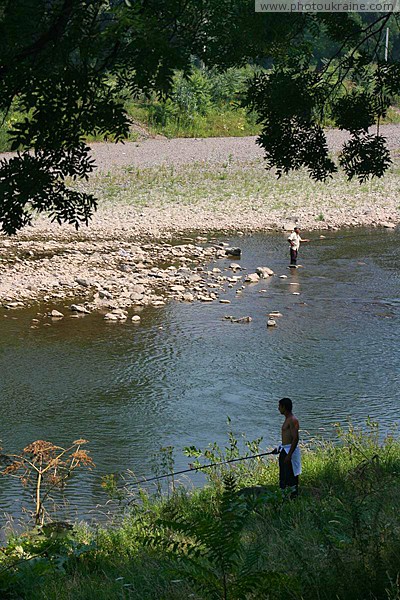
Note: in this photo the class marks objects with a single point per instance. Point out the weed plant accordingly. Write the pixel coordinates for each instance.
(339, 540)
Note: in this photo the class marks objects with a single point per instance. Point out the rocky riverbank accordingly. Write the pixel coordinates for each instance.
(136, 251)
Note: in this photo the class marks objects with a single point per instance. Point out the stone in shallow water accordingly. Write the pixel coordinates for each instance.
(264, 272)
(252, 278)
(271, 323)
(111, 317)
(233, 252)
(79, 309)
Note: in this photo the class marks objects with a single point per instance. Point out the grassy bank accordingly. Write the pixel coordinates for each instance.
(204, 103)
(243, 187)
(339, 540)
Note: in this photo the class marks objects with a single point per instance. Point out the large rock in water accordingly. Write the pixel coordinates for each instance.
(264, 272)
(252, 278)
(233, 252)
(78, 308)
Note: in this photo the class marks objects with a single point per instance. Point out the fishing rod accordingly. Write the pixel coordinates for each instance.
(193, 468)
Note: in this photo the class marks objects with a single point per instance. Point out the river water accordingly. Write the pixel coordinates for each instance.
(175, 378)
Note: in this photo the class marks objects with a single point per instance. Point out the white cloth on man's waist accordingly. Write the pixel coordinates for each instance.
(296, 458)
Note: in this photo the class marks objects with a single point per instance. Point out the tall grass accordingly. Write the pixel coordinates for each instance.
(339, 540)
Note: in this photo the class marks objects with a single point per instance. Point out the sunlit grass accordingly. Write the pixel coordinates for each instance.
(247, 183)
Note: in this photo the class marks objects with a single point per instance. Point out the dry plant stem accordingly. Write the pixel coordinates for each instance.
(38, 520)
(47, 459)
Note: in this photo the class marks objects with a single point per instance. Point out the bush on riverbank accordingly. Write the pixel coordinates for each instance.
(339, 539)
(203, 104)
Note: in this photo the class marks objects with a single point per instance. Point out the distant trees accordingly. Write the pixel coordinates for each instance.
(67, 64)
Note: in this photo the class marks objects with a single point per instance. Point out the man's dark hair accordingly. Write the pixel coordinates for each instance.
(286, 403)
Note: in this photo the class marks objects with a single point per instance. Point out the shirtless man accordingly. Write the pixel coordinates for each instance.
(289, 455)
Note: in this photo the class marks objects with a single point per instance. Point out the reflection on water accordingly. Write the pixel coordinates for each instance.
(174, 379)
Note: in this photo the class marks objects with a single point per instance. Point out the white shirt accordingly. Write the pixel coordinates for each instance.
(295, 239)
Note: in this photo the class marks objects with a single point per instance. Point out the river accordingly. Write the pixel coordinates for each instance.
(175, 378)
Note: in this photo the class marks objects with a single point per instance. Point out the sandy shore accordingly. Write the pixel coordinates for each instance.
(156, 189)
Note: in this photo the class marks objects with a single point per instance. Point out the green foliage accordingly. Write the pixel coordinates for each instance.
(353, 88)
(40, 552)
(339, 539)
(290, 134)
(245, 471)
(363, 155)
(211, 551)
(203, 103)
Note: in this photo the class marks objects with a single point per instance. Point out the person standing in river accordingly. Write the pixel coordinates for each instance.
(294, 240)
(289, 451)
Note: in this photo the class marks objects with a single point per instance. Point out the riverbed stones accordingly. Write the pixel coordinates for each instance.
(79, 308)
(138, 288)
(111, 317)
(232, 251)
(288, 226)
(135, 319)
(13, 305)
(56, 314)
(246, 319)
(136, 297)
(105, 295)
(271, 323)
(252, 278)
(121, 314)
(82, 282)
(264, 272)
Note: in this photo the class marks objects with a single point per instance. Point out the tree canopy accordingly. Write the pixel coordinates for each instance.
(69, 64)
